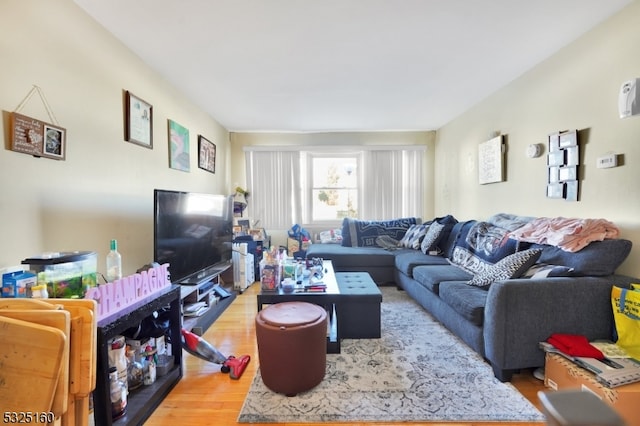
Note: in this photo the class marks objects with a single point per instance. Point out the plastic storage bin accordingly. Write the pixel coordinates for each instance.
(66, 274)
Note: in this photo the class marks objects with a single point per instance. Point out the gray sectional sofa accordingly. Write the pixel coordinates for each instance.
(500, 307)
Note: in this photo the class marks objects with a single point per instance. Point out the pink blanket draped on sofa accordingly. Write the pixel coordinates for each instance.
(569, 234)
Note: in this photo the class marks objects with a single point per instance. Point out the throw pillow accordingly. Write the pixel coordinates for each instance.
(431, 237)
(512, 266)
(413, 237)
(544, 270)
(480, 244)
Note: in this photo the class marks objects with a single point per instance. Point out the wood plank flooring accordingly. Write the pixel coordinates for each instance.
(205, 396)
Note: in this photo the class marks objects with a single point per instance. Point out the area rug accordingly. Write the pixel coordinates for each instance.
(417, 371)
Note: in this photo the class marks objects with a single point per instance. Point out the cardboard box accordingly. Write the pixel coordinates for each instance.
(17, 284)
(562, 374)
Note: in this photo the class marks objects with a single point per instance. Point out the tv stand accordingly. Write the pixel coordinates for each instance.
(202, 304)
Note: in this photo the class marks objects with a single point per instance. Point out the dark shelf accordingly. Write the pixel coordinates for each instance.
(140, 402)
(200, 324)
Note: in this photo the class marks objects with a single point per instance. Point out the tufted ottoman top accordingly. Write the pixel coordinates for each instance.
(291, 314)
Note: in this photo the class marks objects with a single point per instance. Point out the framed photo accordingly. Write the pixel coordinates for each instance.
(179, 156)
(54, 142)
(138, 120)
(206, 154)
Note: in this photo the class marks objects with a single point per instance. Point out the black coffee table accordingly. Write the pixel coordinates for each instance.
(344, 300)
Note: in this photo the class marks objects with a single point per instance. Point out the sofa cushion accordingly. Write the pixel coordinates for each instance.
(599, 258)
(352, 257)
(481, 244)
(512, 266)
(363, 233)
(466, 300)
(430, 276)
(406, 260)
(414, 235)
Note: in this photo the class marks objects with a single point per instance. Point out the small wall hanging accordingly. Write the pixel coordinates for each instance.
(138, 126)
(563, 161)
(34, 137)
(206, 154)
(179, 157)
(490, 161)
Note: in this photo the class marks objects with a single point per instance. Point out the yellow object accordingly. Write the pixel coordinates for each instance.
(626, 313)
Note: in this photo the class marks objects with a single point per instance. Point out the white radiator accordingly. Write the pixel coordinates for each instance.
(243, 270)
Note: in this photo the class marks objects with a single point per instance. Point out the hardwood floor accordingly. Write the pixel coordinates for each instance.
(205, 396)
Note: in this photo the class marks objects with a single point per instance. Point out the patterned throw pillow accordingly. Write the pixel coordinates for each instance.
(512, 266)
(413, 237)
(544, 270)
(431, 238)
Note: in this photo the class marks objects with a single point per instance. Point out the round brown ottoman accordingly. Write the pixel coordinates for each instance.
(292, 346)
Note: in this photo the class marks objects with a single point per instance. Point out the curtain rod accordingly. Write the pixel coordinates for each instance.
(335, 148)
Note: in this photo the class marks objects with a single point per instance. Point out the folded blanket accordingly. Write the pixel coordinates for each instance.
(569, 234)
(575, 345)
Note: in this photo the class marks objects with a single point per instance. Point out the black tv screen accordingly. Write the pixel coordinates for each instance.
(193, 233)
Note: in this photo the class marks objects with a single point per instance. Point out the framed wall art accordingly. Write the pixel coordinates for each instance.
(563, 162)
(34, 137)
(490, 161)
(138, 121)
(179, 156)
(206, 154)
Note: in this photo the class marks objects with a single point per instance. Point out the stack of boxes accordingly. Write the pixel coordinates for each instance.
(243, 267)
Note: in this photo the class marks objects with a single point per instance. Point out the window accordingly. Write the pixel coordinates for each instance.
(334, 189)
(324, 184)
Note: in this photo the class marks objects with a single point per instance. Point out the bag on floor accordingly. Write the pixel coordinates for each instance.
(626, 313)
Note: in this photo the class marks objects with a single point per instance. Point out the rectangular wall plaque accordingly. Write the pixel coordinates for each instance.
(37, 138)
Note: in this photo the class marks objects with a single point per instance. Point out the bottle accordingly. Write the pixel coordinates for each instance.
(114, 263)
(118, 394)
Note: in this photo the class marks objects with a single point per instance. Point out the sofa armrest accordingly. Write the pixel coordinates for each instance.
(520, 313)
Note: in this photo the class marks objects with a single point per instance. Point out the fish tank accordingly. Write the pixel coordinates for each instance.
(67, 275)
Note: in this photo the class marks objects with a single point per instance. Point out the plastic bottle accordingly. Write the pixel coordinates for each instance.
(39, 291)
(114, 263)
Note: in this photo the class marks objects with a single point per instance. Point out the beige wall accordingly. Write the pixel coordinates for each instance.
(339, 139)
(575, 89)
(104, 189)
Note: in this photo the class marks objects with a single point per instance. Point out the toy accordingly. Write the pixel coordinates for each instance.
(202, 349)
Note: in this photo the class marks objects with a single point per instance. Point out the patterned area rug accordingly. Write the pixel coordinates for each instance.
(417, 371)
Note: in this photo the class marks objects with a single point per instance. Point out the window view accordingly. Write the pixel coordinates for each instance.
(334, 188)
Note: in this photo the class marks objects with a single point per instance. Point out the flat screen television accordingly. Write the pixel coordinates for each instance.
(193, 233)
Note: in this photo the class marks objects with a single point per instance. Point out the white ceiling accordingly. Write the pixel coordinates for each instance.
(344, 65)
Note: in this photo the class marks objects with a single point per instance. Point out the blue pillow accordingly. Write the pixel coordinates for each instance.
(481, 244)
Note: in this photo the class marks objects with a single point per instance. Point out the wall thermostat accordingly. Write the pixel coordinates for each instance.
(534, 150)
(629, 98)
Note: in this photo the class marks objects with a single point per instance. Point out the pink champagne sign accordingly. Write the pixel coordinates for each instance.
(120, 294)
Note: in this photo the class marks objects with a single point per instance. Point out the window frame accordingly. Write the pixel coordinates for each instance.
(307, 186)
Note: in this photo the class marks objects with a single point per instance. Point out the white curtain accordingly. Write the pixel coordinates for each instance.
(392, 184)
(273, 179)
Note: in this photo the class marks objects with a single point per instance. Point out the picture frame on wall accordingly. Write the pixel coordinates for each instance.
(54, 142)
(206, 154)
(138, 121)
(491, 161)
(179, 151)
